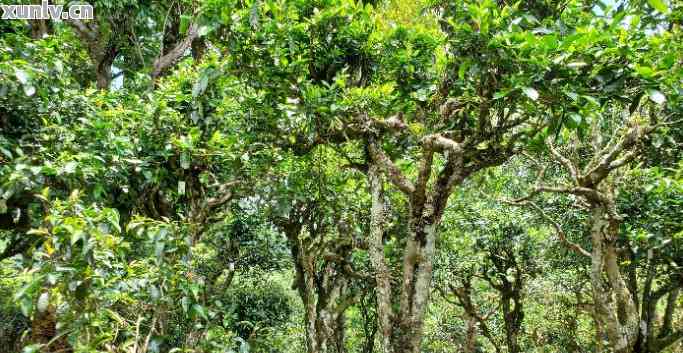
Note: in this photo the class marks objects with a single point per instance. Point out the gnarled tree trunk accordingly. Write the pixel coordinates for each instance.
(402, 330)
(322, 279)
(615, 307)
(44, 331)
(401, 311)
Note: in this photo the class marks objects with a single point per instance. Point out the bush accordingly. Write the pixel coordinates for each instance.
(257, 306)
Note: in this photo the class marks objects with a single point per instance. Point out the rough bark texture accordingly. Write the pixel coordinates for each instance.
(175, 53)
(323, 279)
(614, 305)
(513, 314)
(39, 27)
(402, 330)
(401, 310)
(103, 61)
(369, 316)
(376, 251)
(470, 345)
(44, 331)
(102, 47)
(627, 321)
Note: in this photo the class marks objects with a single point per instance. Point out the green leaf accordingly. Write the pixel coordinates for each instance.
(76, 236)
(185, 303)
(26, 305)
(645, 71)
(463, 69)
(659, 5)
(159, 249)
(201, 85)
(592, 100)
(657, 96)
(204, 30)
(244, 347)
(576, 64)
(29, 90)
(21, 75)
(500, 94)
(200, 310)
(154, 292)
(575, 120)
(43, 302)
(70, 167)
(531, 93)
(185, 160)
(33, 348)
(184, 23)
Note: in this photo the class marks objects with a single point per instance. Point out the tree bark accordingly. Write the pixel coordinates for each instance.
(102, 49)
(39, 27)
(322, 284)
(170, 58)
(103, 63)
(513, 319)
(614, 291)
(402, 329)
(470, 345)
(367, 302)
(376, 251)
(614, 305)
(44, 331)
(668, 314)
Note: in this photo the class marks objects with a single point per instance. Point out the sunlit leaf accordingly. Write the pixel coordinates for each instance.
(657, 96)
(531, 93)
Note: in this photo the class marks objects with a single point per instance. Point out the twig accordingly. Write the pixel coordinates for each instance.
(558, 228)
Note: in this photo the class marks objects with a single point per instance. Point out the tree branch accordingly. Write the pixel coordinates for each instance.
(607, 160)
(393, 173)
(224, 194)
(164, 61)
(564, 161)
(667, 341)
(560, 232)
(84, 31)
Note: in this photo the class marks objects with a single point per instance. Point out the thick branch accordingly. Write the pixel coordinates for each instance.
(668, 313)
(607, 160)
(439, 143)
(167, 60)
(425, 171)
(376, 252)
(84, 31)
(564, 161)
(667, 341)
(390, 169)
(225, 194)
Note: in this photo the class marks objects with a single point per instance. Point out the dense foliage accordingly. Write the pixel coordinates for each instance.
(343, 176)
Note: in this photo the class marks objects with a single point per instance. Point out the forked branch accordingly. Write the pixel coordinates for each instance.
(558, 229)
(390, 169)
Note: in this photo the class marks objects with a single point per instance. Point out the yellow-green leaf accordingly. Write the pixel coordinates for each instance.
(659, 5)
